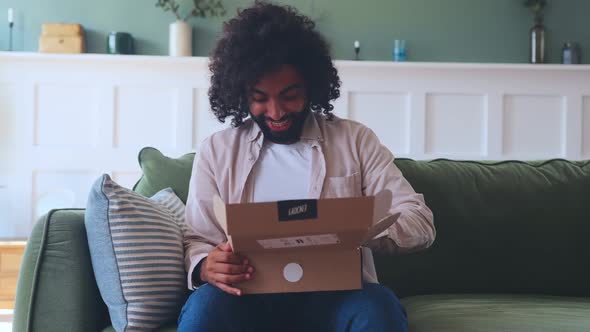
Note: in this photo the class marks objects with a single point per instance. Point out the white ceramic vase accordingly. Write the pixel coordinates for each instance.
(181, 39)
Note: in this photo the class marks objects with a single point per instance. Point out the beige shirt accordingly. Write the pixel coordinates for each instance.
(347, 160)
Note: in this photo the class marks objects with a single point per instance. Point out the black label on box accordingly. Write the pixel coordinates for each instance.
(298, 209)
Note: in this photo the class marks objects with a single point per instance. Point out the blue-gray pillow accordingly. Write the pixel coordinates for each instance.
(137, 254)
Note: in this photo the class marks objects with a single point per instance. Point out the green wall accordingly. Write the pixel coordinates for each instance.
(435, 30)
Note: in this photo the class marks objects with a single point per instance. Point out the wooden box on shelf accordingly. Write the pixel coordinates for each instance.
(62, 38)
(10, 259)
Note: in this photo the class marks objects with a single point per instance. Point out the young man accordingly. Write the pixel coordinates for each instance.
(272, 68)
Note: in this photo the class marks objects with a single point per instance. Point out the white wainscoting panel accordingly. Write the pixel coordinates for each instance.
(66, 115)
(534, 126)
(9, 157)
(146, 116)
(455, 124)
(8, 125)
(586, 127)
(205, 122)
(126, 179)
(386, 113)
(66, 119)
(61, 189)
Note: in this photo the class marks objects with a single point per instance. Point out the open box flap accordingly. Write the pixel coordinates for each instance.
(380, 227)
(220, 213)
(301, 224)
(289, 218)
(381, 205)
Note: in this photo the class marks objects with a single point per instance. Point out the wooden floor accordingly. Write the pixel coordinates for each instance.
(10, 258)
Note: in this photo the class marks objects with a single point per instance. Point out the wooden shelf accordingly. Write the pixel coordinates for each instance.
(11, 253)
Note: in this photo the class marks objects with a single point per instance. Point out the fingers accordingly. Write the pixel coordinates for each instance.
(229, 258)
(233, 268)
(229, 289)
(225, 268)
(225, 247)
(230, 278)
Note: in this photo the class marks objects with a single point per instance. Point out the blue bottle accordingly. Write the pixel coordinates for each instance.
(399, 50)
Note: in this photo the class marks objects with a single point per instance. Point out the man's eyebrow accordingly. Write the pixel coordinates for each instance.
(285, 90)
(291, 87)
(254, 90)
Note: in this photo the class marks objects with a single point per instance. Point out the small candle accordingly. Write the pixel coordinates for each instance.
(10, 15)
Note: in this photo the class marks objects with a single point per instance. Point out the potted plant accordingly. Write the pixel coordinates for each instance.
(537, 7)
(180, 43)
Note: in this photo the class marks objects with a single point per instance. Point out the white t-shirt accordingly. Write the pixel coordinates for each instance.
(282, 172)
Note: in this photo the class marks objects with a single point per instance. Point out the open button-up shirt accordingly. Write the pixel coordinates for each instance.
(347, 161)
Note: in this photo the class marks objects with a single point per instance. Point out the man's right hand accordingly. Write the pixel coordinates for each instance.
(223, 269)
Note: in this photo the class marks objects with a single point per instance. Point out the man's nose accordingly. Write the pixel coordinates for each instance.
(274, 110)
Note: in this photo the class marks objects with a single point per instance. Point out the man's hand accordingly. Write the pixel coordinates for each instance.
(222, 268)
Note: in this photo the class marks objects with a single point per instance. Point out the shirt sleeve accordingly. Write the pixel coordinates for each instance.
(203, 232)
(414, 230)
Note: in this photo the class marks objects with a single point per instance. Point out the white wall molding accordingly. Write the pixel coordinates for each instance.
(65, 119)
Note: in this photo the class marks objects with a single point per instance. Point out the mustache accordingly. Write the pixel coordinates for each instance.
(284, 117)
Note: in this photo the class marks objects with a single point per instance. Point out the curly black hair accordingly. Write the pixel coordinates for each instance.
(259, 40)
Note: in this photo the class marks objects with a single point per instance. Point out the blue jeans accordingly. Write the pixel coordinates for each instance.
(373, 308)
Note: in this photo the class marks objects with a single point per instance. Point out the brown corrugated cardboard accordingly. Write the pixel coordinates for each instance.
(304, 245)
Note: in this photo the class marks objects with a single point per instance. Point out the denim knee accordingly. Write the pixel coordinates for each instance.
(206, 308)
(380, 308)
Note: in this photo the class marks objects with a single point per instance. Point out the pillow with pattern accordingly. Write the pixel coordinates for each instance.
(137, 254)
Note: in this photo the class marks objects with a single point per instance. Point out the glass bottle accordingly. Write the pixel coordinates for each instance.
(538, 42)
(570, 54)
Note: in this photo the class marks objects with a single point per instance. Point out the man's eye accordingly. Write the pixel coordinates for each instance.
(290, 97)
(258, 100)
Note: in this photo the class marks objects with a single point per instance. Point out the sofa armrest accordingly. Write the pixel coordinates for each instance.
(56, 288)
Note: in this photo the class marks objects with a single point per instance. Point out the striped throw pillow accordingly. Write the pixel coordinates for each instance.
(137, 254)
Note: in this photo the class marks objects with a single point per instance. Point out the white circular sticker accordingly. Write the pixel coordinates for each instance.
(293, 272)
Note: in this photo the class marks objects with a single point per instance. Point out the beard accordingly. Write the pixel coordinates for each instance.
(287, 136)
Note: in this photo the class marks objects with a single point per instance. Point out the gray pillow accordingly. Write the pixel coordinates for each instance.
(137, 254)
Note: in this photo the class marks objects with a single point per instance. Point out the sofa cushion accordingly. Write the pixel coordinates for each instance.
(483, 313)
(56, 288)
(161, 172)
(137, 254)
(502, 227)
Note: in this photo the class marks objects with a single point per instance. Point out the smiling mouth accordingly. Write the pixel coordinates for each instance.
(281, 125)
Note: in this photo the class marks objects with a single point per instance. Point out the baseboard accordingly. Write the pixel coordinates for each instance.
(6, 315)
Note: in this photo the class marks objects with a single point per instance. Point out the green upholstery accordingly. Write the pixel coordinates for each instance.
(507, 227)
(493, 313)
(56, 288)
(502, 228)
(160, 172)
(497, 225)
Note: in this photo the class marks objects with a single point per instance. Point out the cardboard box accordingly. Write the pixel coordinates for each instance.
(304, 245)
(62, 38)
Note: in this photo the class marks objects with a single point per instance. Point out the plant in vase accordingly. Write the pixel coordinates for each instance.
(180, 43)
(537, 7)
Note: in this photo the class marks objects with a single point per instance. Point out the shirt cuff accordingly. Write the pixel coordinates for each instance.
(195, 260)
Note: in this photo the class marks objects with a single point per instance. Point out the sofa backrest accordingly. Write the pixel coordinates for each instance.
(504, 227)
(56, 288)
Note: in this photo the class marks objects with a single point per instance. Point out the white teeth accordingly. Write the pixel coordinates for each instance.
(279, 123)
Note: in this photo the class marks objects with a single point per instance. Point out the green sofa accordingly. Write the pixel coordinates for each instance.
(511, 252)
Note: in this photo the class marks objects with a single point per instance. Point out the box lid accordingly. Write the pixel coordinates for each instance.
(304, 224)
(62, 29)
